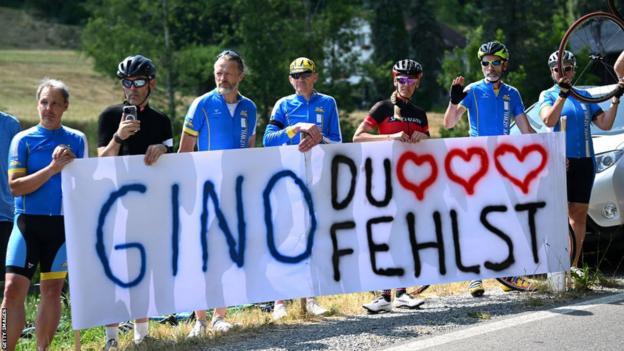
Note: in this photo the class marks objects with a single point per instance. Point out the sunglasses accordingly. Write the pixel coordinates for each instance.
(565, 69)
(494, 63)
(303, 75)
(138, 83)
(406, 80)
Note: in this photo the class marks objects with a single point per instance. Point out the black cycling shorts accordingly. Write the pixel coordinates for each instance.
(580, 177)
(37, 239)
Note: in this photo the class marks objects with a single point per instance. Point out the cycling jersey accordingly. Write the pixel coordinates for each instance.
(489, 113)
(579, 116)
(31, 150)
(210, 120)
(155, 129)
(382, 117)
(9, 126)
(321, 110)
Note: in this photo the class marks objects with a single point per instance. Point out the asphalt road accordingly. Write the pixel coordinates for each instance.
(596, 324)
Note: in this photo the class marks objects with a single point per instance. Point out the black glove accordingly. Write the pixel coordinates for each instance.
(619, 92)
(564, 89)
(457, 94)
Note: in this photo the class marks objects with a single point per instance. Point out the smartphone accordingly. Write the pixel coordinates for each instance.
(130, 113)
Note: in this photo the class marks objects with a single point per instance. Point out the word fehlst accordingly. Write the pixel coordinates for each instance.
(237, 243)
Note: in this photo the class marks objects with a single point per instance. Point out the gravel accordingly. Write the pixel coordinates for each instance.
(438, 315)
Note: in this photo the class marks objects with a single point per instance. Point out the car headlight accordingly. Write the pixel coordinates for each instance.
(607, 159)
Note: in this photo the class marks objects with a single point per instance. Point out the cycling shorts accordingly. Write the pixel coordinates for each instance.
(37, 239)
(580, 177)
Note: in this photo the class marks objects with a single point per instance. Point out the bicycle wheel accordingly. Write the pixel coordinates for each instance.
(532, 283)
(595, 41)
(617, 8)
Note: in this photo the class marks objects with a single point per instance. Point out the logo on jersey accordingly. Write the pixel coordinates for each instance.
(243, 113)
(319, 110)
(14, 163)
(506, 97)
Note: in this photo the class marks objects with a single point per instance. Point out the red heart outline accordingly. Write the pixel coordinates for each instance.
(521, 155)
(417, 189)
(467, 155)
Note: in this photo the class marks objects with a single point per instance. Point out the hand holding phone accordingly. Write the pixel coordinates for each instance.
(130, 113)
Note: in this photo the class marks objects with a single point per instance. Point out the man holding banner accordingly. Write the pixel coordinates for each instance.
(219, 120)
(134, 128)
(397, 118)
(491, 104)
(306, 118)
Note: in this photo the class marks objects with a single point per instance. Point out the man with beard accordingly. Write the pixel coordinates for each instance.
(218, 120)
(491, 104)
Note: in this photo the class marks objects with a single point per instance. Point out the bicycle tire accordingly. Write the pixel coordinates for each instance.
(565, 41)
(614, 10)
(514, 283)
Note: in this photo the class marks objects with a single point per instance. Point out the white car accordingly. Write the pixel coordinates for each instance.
(606, 206)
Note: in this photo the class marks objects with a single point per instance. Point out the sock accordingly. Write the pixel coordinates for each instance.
(111, 332)
(387, 295)
(140, 330)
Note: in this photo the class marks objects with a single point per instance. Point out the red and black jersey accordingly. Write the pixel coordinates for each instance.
(413, 118)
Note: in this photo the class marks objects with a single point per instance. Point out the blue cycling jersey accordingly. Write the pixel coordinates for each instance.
(31, 150)
(320, 109)
(579, 116)
(210, 120)
(490, 113)
(9, 126)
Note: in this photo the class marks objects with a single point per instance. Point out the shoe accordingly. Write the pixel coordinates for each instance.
(199, 330)
(406, 300)
(143, 340)
(378, 305)
(111, 344)
(520, 283)
(279, 311)
(577, 273)
(220, 325)
(476, 288)
(314, 308)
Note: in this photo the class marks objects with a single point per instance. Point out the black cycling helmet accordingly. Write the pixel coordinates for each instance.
(568, 58)
(407, 67)
(136, 66)
(493, 48)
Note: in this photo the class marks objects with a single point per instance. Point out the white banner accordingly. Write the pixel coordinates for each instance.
(223, 228)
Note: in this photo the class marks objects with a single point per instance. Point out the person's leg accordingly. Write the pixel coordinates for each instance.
(577, 213)
(219, 323)
(15, 291)
(49, 311)
(141, 329)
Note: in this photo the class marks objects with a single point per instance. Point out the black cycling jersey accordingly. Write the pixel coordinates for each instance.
(155, 129)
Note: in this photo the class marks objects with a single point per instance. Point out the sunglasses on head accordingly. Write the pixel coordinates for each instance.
(565, 69)
(495, 63)
(303, 75)
(405, 80)
(138, 83)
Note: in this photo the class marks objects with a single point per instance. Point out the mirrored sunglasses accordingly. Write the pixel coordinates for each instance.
(493, 63)
(303, 75)
(138, 83)
(565, 69)
(406, 80)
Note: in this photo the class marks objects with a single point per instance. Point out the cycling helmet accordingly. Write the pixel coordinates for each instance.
(302, 64)
(136, 66)
(407, 67)
(568, 58)
(493, 48)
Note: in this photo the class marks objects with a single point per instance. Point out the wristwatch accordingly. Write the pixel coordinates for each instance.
(117, 139)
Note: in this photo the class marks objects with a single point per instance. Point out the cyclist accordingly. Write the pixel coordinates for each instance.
(306, 118)
(36, 158)
(397, 118)
(491, 104)
(9, 126)
(149, 134)
(556, 102)
(218, 120)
